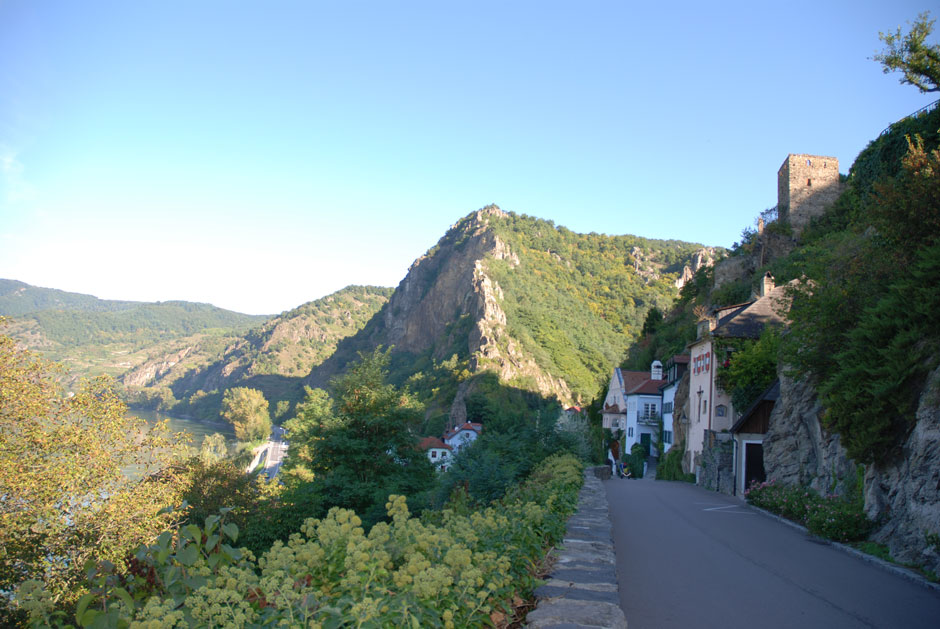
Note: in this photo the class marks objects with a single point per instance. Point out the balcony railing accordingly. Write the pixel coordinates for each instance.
(648, 418)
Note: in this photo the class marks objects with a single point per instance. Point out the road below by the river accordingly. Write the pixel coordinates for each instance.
(689, 557)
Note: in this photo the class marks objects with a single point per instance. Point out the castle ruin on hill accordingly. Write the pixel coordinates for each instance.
(806, 186)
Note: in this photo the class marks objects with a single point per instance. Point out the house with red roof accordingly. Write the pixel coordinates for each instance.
(462, 435)
(633, 405)
(439, 453)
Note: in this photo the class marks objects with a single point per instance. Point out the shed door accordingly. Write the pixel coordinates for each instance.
(753, 464)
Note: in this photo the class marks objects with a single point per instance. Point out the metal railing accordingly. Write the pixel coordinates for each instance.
(919, 111)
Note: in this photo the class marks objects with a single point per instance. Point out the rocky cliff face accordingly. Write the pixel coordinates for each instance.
(702, 258)
(907, 491)
(443, 288)
(903, 494)
(797, 449)
(153, 370)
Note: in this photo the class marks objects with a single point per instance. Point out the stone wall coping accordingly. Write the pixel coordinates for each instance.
(582, 590)
(900, 571)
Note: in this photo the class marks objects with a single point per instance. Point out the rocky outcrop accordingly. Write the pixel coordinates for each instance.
(701, 258)
(449, 302)
(902, 495)
(680, 421)
(907, 491)
(797, 449)
(152, 370)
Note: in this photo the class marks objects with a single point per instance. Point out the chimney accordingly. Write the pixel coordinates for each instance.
(705, 326)
(767, 284)
(656, 370)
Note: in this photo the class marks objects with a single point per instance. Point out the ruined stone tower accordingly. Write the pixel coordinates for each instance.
(806, 186)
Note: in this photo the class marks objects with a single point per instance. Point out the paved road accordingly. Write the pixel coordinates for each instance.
(688, 557)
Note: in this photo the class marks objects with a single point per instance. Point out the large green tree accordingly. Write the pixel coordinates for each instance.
(910, 54)
(247, 410)
(360, 447)
(79, 477)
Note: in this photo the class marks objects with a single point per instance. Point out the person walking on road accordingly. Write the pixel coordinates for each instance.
(615, 457)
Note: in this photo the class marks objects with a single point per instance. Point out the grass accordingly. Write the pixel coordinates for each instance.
(881, 552)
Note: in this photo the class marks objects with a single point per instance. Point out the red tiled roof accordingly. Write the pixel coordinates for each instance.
(649, 387)
(433, 442)
(478, 428)
(633, 379)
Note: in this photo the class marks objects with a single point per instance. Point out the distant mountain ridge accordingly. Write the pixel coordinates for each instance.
(19, 298)
(543, 308)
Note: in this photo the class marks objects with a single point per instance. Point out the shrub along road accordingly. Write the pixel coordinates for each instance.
(689, 557)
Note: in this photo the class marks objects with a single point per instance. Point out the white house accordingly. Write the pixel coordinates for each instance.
(439, 453)
(462, 435)
(633, 404)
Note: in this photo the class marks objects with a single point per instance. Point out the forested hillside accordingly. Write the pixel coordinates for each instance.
(541, 308)
(191, 378)
(97, 336)
(577, 301)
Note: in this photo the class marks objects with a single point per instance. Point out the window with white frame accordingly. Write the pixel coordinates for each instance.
(667, 408)
(667, 436)
(630, 431)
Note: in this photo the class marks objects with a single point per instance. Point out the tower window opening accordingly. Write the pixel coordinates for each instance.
(809, 182)
(809, 163)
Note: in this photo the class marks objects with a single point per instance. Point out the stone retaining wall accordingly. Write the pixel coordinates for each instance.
(582, 589)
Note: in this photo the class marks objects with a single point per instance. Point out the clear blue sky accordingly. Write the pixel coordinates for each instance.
(260, 155)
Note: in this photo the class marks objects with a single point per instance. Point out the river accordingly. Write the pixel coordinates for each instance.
(197, 429)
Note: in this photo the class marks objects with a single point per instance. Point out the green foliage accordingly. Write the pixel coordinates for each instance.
(750, 366)
(736, 292)
(361, 447)
(247, 411)
(576, 301)
(634, 461)
(865, 324)
(520, 429)
(909, 54)
(213, 448)
(670, 465)
(76, 476)
(459, 568)
(832, 517)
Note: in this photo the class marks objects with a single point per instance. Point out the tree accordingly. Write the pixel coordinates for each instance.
(79, 477)
(361, 447)
(247, 410)
(909, 54)
(213, 448)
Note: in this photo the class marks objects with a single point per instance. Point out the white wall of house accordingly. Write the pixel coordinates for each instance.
(440, 457)
(701, 372)
(462, 438)
(668, 401)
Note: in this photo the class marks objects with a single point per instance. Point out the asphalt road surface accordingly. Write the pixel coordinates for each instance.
(689, 557)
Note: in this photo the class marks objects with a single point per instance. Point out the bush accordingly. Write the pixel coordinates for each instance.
(839, 520)
(831, 517)
(670, 465)
(453, 568)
